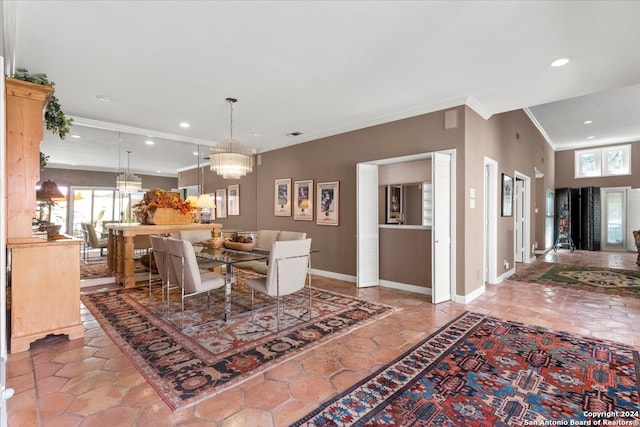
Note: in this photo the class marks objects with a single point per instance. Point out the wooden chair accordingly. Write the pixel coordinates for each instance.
(189, 277)
(287, 273)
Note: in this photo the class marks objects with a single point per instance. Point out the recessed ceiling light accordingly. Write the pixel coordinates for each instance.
(590, 137)
(75, 136)
(158, 171)
(560, 62)
(104, 98)
(184, 125)
(149, 142)
(588, 122)
(256, 134)
(195, 153)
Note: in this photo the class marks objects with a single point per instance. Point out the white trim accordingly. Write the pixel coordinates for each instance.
(527, 217)
(538, 126)
(505, 275)
(332, 275)
(466, 299)
(479, 108)
(491, 242)
(405, 287)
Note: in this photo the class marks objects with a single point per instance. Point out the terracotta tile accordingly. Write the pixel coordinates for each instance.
(266, 395)
(121, 416)
(321, 366)
(87, 382)
(21, 383)
(221, 406)
(357, 361)
(141, 395)
(22, 409)
(51, 385)
(249, 417)
(291, 411)
(54, 404)
(284, 372)
(157, 415)
(315, 389)
(63, 420)
(360, 344)
(74, 369)
(345, 379)
(74, 355)
(97, 400)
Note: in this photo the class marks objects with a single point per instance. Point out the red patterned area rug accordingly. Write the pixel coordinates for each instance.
(186, 365)
(612, 281)
(483, 371)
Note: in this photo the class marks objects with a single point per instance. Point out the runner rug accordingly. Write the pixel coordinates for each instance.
(483, 371)
(192, 357)
(612, 281)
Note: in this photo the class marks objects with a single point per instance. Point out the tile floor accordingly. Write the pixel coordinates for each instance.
(91, 383)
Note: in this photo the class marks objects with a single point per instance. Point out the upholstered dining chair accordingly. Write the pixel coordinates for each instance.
(158, 256)
(91, 240)
(192, 280)
(287, 273)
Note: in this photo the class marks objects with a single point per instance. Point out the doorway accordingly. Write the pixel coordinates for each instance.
(614, 218)
(522, 218)
(490, 220)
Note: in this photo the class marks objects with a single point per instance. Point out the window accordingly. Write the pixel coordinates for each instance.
(607, 161)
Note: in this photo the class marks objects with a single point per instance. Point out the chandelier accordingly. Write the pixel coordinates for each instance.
(128, 182)
(230, 157)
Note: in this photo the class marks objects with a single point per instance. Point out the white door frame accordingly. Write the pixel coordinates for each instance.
(444, 242)
(603, 216)
(490, 220)
(528, 257)
(368, 259)
(360, 211)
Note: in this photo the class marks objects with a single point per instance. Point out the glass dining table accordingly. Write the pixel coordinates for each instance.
(229, 257)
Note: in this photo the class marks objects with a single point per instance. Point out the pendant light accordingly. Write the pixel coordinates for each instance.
(128, 182)
(230, 157)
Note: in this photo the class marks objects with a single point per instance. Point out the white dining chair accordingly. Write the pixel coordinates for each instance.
(190, 278)
(287, 273)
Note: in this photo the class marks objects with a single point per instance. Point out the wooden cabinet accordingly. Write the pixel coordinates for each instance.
(45, 291)
(44, 275)
(25, 106)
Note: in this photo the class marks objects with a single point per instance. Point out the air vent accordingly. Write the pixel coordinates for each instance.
(295, 133)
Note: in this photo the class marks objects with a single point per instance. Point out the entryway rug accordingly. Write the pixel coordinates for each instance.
(483, 371)
(208, 356)
(595, 279)
(96, 270)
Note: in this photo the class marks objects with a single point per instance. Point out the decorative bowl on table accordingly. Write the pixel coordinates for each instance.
(214, 243)
(239, 246)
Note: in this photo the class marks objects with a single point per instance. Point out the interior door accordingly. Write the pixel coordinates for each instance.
(367, 229)
(441, 271)
(519, 218)
(633, 216)
(614, 216)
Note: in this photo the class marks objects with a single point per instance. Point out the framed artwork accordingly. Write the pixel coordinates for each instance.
(282, 201)
(328, 207)
(303, 200)
(507, 195)
(233, 200)
(394, 212)
(221, 203)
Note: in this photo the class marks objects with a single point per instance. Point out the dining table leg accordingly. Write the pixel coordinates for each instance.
(227, 293)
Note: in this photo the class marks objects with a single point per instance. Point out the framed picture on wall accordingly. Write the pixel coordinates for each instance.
(394, 211)
(282, 197)
(221, 203)
(233, 200)
(303, 200)
(507, 195)
(328, 203)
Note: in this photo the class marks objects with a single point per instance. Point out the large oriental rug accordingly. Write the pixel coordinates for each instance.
(189, 362)
(483, 371)
(595, 279)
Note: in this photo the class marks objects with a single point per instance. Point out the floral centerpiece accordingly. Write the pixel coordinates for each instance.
(162, 207)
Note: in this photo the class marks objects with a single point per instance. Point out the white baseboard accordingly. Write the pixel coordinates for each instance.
(505, 275)
(405, 287)
(466, 299)
(332, 275)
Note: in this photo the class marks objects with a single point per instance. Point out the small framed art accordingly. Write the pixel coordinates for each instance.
(221, 203)
(282, 197)
(233, 200)
(303, 200)
(507, 195)
(328, 199)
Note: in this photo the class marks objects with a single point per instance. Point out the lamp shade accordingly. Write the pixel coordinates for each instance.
(49, 191)
(193, 200)
(205, 201)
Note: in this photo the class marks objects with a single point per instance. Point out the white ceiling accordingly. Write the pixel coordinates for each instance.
(321, 68)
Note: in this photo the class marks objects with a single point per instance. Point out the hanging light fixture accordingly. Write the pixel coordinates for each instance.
(230, 157)
(128, 182)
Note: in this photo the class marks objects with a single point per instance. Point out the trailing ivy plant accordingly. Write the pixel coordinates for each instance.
(54, 117)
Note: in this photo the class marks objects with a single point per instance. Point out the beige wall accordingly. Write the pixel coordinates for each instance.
(565, 172)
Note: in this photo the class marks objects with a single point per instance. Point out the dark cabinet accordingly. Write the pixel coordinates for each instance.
(578, 216)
